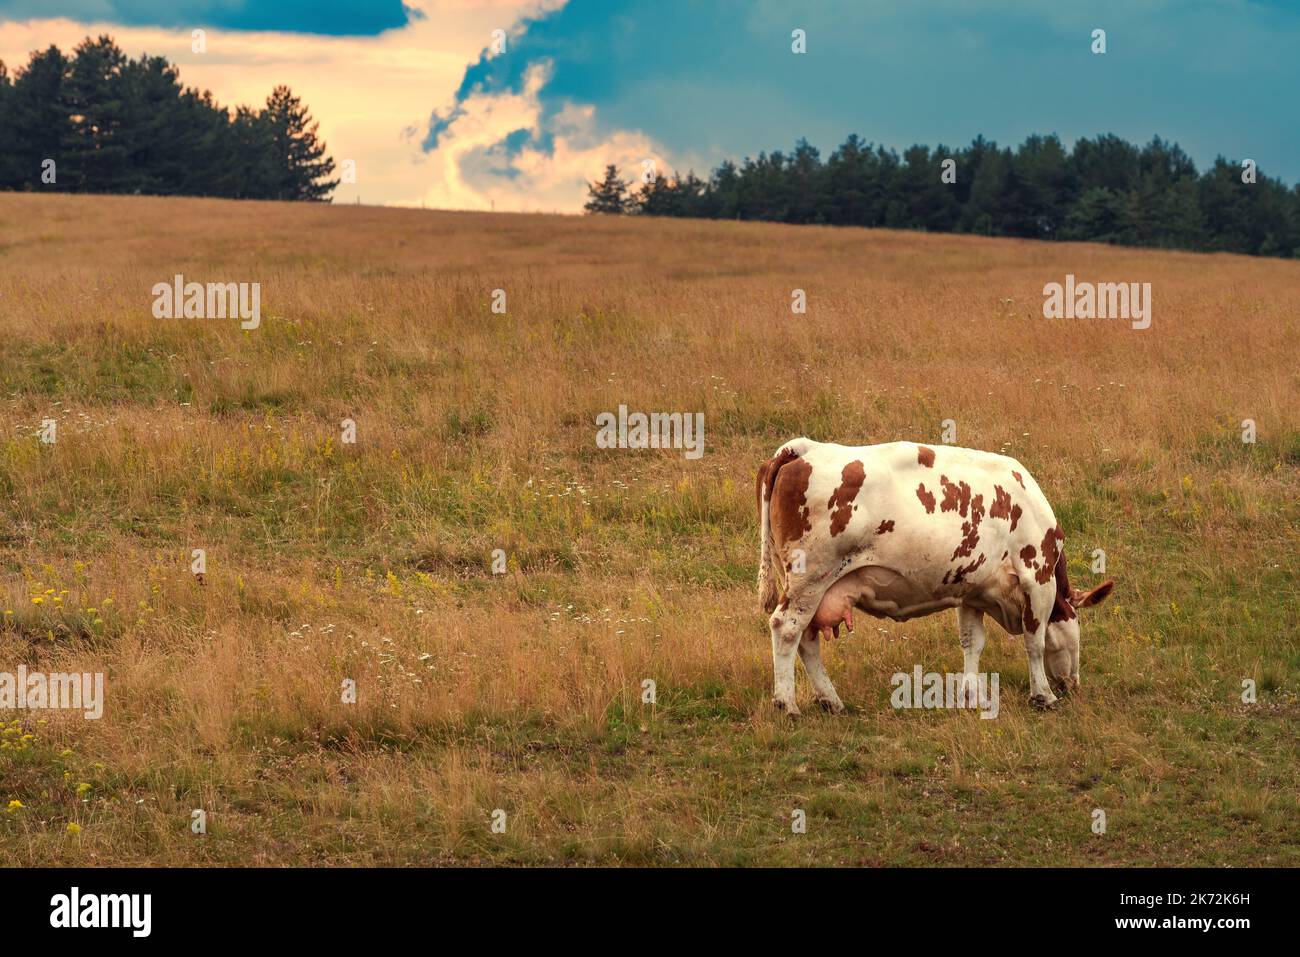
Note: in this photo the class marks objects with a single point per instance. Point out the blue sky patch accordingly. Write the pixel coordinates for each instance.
(711, 80)
(326, 17)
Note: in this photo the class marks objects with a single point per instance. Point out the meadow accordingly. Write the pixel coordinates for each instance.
(371, 561)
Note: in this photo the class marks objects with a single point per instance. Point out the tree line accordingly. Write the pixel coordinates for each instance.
(1103, 190)
(99, 122)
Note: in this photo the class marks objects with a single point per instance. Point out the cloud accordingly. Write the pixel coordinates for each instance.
(522, 130)
(507, 150)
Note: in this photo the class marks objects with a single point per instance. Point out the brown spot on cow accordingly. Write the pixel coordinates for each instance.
(841, 500)
(788, 509)
(970, 529)
(1051, 552)
(956, 498)
(1001, 507)
(886, 526)
(962, 571)
(926, 497)
(1031, 623)
(1028, 554)
(925, 456)
(1018, 478)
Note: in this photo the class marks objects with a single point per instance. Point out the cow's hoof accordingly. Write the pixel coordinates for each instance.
(1042, 702)
(789, 707)
(833, 705)
(1065, 687)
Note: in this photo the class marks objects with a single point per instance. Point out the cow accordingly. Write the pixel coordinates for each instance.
(902, 530)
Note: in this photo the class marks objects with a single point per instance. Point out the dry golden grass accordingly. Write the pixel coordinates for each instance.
(523, 692)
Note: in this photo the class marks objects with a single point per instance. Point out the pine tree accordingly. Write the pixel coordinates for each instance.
(252, 152)
(609, 195)
(39, 122)
(724, 191)
(9, 173)
(657, 197)
(928, 202)
(1100, 215)
(983, 213)
(92, 148)
(150, 90)
(302, 167)
(1047, 184)
(803, 176)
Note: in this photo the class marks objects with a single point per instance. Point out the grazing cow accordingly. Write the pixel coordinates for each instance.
(902, 530)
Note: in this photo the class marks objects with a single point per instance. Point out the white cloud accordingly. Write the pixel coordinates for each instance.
(547, 180)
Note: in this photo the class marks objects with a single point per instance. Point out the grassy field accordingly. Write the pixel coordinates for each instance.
(523, 691)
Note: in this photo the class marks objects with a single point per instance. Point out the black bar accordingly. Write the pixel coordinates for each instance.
(335, 906)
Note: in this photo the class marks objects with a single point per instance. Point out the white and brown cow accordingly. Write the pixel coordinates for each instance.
(902, 530)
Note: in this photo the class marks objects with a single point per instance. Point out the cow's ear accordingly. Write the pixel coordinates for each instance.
(1085, 599)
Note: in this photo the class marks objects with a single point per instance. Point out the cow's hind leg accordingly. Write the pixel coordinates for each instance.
(970, 623)
(787, 625)
(1040, 602)
(810, 650)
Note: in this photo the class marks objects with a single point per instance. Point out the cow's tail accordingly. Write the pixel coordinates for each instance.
(770, 574)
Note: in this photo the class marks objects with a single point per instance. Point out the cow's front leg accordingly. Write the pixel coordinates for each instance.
(787, 626)
(1041, 601)
(810, 650)
(970, 624)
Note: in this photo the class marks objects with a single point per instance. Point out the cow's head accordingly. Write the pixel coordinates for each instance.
(1061, 657)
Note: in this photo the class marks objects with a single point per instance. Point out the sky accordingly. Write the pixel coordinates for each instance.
(517, 104)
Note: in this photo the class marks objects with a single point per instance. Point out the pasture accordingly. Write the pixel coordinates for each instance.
(329, 560)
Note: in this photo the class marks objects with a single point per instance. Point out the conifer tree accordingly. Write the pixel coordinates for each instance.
(609, 195)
